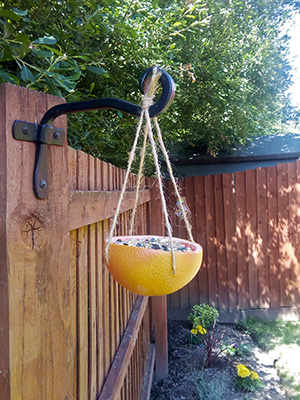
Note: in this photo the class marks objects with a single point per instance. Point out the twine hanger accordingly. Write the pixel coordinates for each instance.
(147, 101)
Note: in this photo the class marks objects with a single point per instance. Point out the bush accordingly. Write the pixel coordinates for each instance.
(204, 320)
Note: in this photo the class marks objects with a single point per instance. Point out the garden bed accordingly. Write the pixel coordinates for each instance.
(189, 380)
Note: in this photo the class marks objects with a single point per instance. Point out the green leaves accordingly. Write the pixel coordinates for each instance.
(228, 61)
(26, 74)
(96, 70)
(45, 40)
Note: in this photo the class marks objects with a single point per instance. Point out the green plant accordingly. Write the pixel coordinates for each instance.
(210, 389)
(246, 380)
(244, 349)
(204, 315)
(204, 318)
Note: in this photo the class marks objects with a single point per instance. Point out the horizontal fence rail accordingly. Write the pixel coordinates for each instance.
(248, 225)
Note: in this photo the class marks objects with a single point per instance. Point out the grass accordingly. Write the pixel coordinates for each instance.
(269, 335)
(283, 339)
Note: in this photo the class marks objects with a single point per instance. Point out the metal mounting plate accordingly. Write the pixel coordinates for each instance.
(41, 135)
(30, 132)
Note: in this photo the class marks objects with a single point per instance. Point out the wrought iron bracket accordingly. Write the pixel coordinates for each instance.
(44, 134)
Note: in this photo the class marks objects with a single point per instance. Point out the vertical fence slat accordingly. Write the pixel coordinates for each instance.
(293, 231)
(252, 240)
(220, 244)
(174, 298)
(297, 245)
(106, 321)
(159, 303)
(83, 287)
(92, 291)
(273, 237)
(262, 238)
(211, 240)
(242, 251)
(230, 237)
(190, 199)
(283, 217)
(201, 237)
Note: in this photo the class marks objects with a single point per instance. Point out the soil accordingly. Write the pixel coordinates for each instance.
(186, 372)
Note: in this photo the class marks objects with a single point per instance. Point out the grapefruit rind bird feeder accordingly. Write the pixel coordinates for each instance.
(143, 269)
(148, 272)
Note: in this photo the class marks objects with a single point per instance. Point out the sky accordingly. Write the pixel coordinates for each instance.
(295, 60)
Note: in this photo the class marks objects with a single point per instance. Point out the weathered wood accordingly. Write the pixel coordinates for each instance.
(297, 244)
(273, 237)
(190, 200)
(262, 239)
(220, 243)
(200, 224)
(4, 269)
(251, 234)
(88, 207)
(293, 233)
(38, 317)
(211, 240)
(230, 237)
(284, 243)
(82, 288)
(159, 303)
(174, 298)
(242, 251)
(260, 221)
(115, 378)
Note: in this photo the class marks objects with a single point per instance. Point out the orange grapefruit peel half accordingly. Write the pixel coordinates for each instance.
(148, 272)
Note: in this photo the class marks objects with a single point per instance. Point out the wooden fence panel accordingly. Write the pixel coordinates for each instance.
(104, 308)
(248, 225)
(63, 318)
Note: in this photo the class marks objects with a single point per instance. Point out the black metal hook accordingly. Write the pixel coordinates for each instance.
(45, 134)
(167, 96)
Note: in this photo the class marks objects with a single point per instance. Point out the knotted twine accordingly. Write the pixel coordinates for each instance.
(147, 101)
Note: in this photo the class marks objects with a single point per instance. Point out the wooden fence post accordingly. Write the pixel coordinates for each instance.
(37, 296)
(159, 303)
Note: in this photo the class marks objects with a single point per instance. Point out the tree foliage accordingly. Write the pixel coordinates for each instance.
(227, 57)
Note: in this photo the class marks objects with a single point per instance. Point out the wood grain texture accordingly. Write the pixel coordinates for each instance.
(273, 248)
(262, 239)
(220, 244)
(88, 207)
(200, 224)
(284, 242)
(230, 237)
(254, 216)
(42, 330)
(211, 240)
(4, 270)
(252, 237)
(159, 303)
(193, 288)
(115, 379)
(242, 250)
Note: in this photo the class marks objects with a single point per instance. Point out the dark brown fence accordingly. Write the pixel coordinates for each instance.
(248, 225)
(67, 330)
